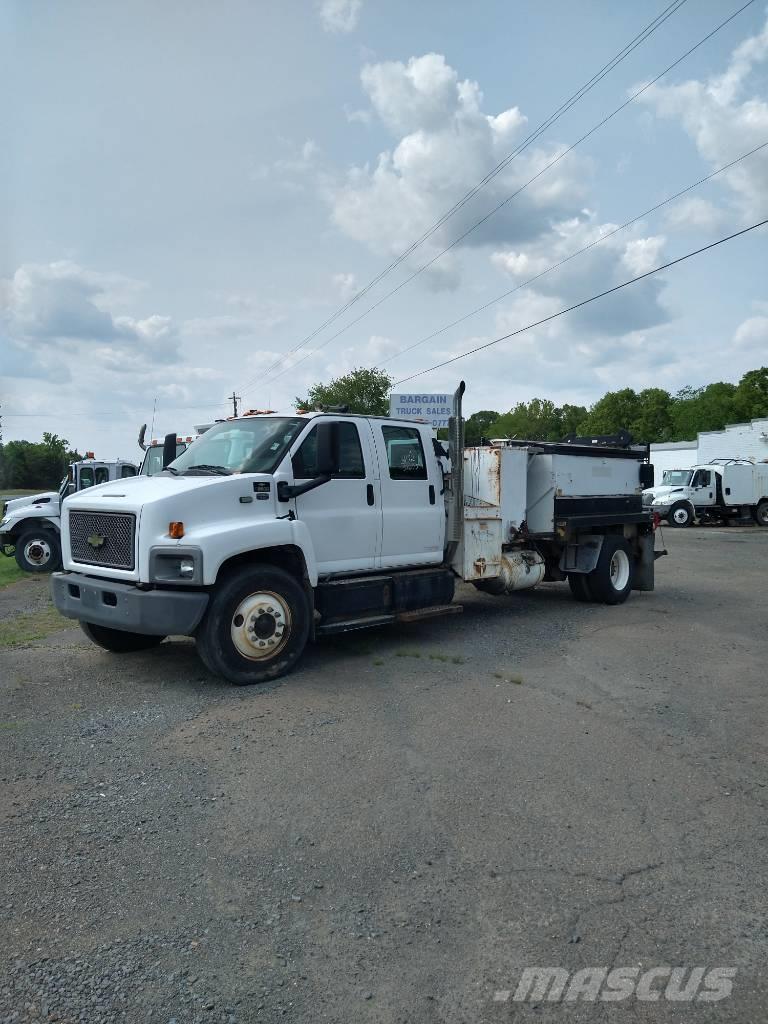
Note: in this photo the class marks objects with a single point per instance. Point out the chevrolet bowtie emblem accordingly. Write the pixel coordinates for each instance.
(96, 540)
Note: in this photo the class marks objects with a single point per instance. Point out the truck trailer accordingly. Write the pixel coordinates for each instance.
(271, 530)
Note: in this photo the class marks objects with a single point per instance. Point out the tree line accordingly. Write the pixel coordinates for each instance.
(651, 415)
(26, 465)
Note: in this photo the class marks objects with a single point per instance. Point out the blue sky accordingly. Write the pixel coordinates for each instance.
(189, 190)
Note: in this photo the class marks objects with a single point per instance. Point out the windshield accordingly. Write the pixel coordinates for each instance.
(153, 459)
(241, 446)
(677, 477)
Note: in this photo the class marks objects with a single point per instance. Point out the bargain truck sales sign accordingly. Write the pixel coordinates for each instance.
(434, 408)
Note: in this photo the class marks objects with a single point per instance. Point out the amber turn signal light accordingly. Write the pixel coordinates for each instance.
(176, 530)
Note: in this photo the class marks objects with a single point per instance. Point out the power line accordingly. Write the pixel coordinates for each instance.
(584, 302)
(640, 38)
(420, 270)
(573, 255)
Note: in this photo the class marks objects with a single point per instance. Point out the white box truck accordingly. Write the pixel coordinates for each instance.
(727, 489)
(271, 530)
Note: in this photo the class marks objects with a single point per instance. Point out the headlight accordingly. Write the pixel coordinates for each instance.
(176, 565)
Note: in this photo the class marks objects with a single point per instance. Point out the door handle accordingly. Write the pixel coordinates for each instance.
(431, 494)
(369, 494)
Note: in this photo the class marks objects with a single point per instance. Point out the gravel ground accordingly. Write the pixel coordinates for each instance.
(397, 830)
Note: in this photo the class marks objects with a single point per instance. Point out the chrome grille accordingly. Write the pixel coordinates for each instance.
(102, 538)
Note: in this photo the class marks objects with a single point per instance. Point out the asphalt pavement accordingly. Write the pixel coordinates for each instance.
(401, 828)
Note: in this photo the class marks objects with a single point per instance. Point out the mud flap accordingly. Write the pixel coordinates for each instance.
(644, 576)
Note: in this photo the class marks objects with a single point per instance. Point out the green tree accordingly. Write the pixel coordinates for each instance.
(752, 394)
(478, 426)
(28, 465)
(707, 408)
(653, 421)
(537, 420)
(616, 410)
(365, 391)
(572, 420)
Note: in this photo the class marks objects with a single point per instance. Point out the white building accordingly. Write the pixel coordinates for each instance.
(737, 441)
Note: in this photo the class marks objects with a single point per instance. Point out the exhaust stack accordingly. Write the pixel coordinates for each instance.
(456, 483)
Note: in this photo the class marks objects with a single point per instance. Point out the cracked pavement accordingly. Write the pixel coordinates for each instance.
(401, 827)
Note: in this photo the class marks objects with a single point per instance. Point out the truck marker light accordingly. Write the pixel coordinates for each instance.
(176, 530)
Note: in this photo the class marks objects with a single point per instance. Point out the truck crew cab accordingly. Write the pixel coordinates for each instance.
(269, 530)
(31, 526)
(727, 489)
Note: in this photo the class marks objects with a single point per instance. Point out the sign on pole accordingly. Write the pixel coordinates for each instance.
(434, 408)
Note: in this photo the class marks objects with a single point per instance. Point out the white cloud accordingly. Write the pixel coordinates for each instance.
(694, 213)
(340, 15)
(752, 334)
(346, 285)
(62, 304)
(445, 144)
(724, 123)
(642, 254)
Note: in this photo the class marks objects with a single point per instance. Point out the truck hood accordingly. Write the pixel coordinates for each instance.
(663, 491)
(47, 498)
(206, 505)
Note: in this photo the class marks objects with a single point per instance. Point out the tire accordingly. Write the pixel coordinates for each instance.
(580, 586)
(117, 640)
(38, 550)
(611, 580)
(256, 626)
(761, 514)
(680, 515)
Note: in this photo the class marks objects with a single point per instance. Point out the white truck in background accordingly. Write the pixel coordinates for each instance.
(727, 489)
(30, 527)
(270, 530)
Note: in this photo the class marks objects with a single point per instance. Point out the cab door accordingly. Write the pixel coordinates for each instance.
(703, 487)
(413, 511)
(343, 515)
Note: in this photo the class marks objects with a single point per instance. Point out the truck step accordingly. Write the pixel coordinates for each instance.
(348, 625)
(430, 613)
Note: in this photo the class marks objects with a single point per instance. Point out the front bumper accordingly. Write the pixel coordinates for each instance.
(124, 606)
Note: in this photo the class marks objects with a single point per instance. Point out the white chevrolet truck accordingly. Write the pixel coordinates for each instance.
(726, 489)
(270, 530)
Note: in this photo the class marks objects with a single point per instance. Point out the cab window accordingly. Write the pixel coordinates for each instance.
(405, 454)
(127, 471)
(349, 465)
(702, 478)
(102, 475)
(86, 476)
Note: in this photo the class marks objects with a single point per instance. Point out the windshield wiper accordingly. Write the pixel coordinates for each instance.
(170, 469)
(204, 470)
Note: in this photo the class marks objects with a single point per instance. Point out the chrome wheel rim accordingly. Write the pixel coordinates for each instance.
(619, 570)
(681, 515)
(37, 552)
(261, 625)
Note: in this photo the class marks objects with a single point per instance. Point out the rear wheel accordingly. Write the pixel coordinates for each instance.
(38, 550)
(579, 584)
(611, 580)
(761, 514)
(256, 626)
(117, 640)
(680, 515)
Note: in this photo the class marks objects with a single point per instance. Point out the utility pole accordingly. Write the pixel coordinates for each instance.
(235, 399)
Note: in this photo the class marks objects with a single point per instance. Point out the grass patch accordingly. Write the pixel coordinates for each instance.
(22, 629)
(407, 654)
(10, 572)
(378, 661)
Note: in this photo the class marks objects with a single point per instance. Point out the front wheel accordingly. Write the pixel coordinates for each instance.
(611, 580)
(118, 640)
(38, 551)
(761, 514)
(680, 515)
(256, 626)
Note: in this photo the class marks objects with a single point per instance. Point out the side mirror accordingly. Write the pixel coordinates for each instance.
(327, 435)
(169, 449)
